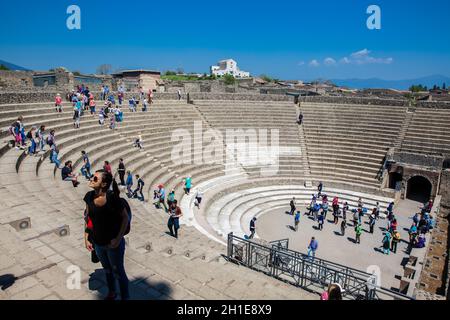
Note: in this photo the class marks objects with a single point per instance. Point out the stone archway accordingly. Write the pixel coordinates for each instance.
(446, 164)
(419, 189)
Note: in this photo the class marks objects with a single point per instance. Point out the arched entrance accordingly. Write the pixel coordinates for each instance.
(446, 164)
(419, 189)
(395, 180)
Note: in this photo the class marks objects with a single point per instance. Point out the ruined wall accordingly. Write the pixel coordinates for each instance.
(445, 189)
(15, 80)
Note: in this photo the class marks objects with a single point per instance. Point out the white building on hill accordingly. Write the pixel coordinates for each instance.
(228, 66)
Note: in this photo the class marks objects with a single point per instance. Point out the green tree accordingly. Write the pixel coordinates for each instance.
(3, 67)
(229, 79)
(76, 73)
(418, 88)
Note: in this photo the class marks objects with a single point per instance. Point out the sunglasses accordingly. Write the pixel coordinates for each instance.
(94, 179)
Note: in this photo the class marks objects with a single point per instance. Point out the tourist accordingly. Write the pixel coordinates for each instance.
(132, 104)
(179, 94)
(107, 167)
(311, 205)
(325, 209)
(316, 211)
(51, 140)
(335, 204)
(421, 242)
(174, 219)
(334, 292)
(86, 168)
(40, 135)
(296, 220)
(170, 197)
(343, 227)
(358, 232)
(77, 115)
(386, 243)
(360, 203)
(141, 93)
(393, 226)
(67, 175)
(120, 96)
(300, 118)
(198, 198)
(312, 247)
(377, 211)
(16, 131)
(121, 172)
(252, 228)
(345, 208)
(31, 135)
(356, 217)
(150, 96)
(54, 156)
(92, 105)
(395, 240)
(320, 219)
(140, 186)
(187, 185)
(320, 188)
(144, 105)
(416, 218)
(129, 184)
(390, 208)
(112, 122)
(160, 194)
(101, 116)
(110, 219)
(293, 207)
(58, 103)
(372, 220)
(138, 142)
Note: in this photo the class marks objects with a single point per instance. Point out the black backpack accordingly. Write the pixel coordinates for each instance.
(130, 215)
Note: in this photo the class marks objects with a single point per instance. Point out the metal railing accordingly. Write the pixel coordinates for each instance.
(307, 272)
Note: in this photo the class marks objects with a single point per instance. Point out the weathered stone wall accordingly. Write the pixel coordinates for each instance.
(419, 159)
(445, 189)
(49, 95)
(15, 80)
(374, 101)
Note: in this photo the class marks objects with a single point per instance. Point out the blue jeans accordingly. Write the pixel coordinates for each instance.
(32, 148)
(174, 223)
(86, 171)
(112, 263)
(311, 251)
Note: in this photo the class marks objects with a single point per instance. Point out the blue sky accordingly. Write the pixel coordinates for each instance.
(283, 39)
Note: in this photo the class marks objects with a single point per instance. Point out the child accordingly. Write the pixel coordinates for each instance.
(321, 218)
(58, 103)
(101, 117)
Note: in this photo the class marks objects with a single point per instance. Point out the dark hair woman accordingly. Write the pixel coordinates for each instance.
(110, 220)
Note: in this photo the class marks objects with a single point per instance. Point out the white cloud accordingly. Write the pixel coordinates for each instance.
(364, 57)
(345, 60)
(329, 62)
(301, 63)
(314, 63)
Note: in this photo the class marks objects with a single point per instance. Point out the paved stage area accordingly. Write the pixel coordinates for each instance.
(278, 224)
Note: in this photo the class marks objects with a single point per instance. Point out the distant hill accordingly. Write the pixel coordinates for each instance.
(392, 84)
(11, 66)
